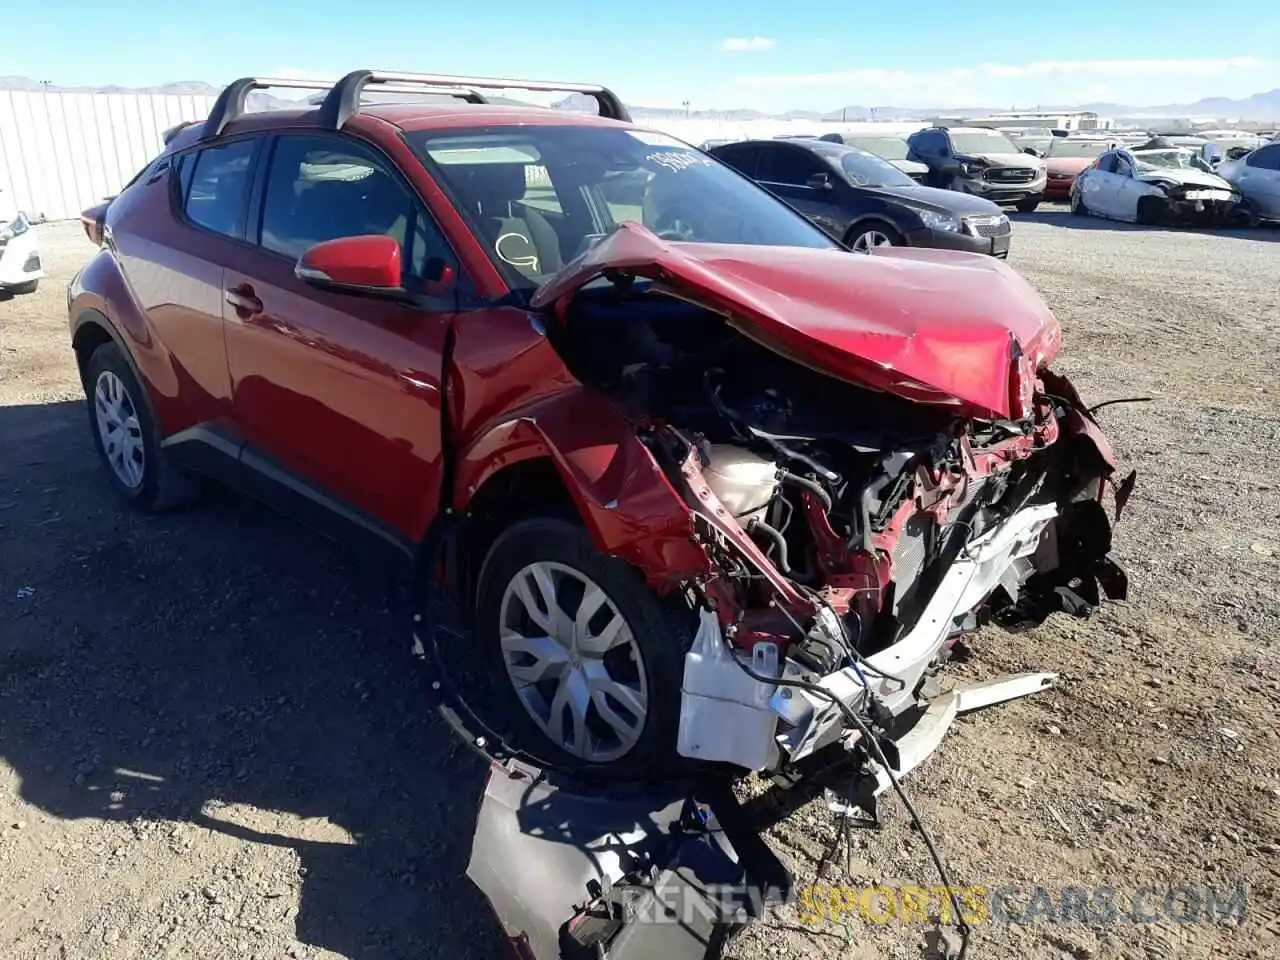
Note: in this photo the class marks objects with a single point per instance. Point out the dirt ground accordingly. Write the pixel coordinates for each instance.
(212, 746)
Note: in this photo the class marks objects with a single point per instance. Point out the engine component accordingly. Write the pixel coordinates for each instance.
(743, 481)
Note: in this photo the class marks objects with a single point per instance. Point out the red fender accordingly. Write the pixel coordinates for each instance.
(626, 502)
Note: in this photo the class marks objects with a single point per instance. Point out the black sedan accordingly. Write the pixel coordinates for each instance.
(866, 202)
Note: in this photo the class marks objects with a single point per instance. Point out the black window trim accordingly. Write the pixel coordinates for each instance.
(783, 149)
(258, 191)
(177, 196)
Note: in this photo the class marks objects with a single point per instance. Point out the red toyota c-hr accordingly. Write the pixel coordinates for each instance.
(674, 453)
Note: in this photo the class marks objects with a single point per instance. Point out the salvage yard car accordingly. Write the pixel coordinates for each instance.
(705, 487)
(1066, 159)
(866, 202)
(20, 268)
(1153, 187)
(982, 162)
(1256, 176)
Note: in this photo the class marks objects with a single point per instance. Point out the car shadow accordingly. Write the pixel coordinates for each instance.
(222, 667)
(1266, 232)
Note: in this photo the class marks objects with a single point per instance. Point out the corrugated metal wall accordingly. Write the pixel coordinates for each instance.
(62, 152)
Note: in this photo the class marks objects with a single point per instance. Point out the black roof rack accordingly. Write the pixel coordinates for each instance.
(231, 101)
(342, 100)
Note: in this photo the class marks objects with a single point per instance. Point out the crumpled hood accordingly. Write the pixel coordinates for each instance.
(934, 326)
(1192, 178)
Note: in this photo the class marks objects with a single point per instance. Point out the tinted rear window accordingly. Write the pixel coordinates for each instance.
(215, 193)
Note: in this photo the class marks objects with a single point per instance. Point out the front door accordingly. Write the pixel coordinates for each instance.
(785, 169)
(341, 390)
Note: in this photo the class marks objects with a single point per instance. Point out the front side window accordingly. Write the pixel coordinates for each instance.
(788, 165)
(214, 182)
(1265, 158)
(502, 178)
(323, 188)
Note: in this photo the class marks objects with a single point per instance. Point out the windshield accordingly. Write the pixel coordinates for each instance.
(867, 170)
(981, 142)
(891, 148)
(1088, 149)
(539, 195)
(1151, 160)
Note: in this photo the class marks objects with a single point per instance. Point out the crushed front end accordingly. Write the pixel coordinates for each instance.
(866, 484)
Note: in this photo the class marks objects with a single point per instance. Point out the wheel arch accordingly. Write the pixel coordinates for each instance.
(577, 456)
(90, 330)
(868, 219)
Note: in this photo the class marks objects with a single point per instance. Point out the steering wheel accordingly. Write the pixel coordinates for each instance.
(677, 229)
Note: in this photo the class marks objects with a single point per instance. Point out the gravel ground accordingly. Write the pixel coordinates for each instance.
(210, 745)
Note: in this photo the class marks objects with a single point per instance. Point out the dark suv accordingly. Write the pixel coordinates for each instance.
(982, 162)
(662, 442)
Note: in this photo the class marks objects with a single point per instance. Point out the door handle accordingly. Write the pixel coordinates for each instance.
(243, 299)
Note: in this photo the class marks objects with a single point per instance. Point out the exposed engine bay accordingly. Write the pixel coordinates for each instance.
(860, 503)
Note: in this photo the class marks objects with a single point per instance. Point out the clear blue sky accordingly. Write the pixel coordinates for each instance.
(763, 53)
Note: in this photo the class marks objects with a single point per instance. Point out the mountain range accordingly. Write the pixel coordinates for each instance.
(1259, 107)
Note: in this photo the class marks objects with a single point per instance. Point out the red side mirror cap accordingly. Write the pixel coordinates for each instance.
(363, 264)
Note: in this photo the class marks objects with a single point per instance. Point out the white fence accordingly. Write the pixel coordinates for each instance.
(63, 152)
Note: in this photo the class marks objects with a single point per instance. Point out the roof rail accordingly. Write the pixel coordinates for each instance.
(343, 100)
(231, 101)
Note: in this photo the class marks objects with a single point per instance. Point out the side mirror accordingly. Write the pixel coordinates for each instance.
(1211, 154)
(369, 265)
(819, 181)
(1032, 151)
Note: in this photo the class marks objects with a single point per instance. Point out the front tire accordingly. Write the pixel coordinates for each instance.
(866, 237)
(1077, 204)
(1028, 205)
(21, 289)
(1153, 211)
(588, 660)
(126, 436)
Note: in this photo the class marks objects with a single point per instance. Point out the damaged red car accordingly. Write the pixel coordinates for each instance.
(704, 487)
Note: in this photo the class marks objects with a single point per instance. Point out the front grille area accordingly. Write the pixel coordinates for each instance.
(1009, 175)
(995, 226)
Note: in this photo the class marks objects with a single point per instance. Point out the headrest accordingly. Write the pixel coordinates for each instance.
(492, 184)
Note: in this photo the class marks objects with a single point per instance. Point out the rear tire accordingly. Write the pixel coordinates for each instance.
(126, 435)
(619, 668)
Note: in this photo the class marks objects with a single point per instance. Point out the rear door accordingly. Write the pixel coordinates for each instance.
(173, 228)
(785, 170)
(339, 392)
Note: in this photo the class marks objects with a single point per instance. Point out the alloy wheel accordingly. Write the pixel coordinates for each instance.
(573, 661)
(119, 430)
(868, 241)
